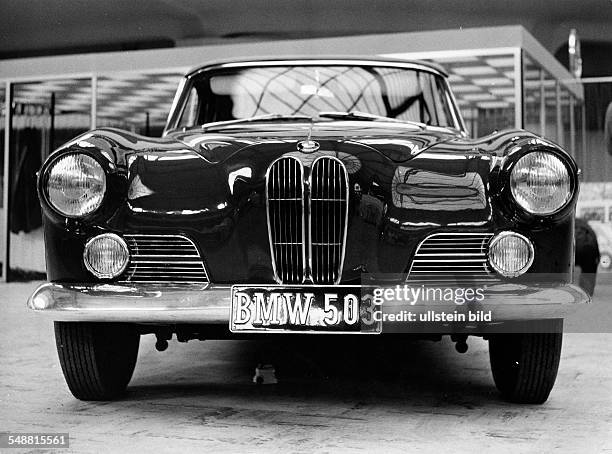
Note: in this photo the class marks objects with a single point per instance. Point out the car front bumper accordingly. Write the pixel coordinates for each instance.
(211, 305)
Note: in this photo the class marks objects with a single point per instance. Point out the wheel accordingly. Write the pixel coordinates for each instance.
(525, 365)
(97, 359)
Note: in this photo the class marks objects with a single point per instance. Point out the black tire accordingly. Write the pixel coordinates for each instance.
(97, 359)
(525, 365)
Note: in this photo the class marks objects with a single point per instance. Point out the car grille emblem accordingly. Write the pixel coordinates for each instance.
(308, 146)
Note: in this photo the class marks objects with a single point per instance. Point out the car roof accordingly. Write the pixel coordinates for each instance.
(323, 60)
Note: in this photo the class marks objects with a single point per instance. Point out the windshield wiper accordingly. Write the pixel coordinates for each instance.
(267, 117)
(352, 115)
(357, 115)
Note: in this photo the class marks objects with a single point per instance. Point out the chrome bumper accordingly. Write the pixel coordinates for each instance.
(133, 303)
(211, 305)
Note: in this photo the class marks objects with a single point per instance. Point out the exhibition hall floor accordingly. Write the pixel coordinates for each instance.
(417, 397)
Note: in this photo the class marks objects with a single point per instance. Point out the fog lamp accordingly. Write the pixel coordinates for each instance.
(106, 256)
(510, 254)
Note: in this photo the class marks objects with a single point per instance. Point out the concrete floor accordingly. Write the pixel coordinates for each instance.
(417, 397)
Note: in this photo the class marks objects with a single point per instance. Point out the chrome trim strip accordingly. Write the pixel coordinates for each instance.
(175, 113)
(455, 254)
(455, 112)
(419, 66)
(182, 256)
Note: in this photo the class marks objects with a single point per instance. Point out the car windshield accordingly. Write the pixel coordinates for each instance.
(367, 93)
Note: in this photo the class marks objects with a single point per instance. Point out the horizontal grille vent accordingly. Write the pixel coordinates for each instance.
(453, 257)
(164, 259)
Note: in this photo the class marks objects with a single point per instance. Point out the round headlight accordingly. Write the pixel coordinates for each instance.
(76, 184)
(106, 256)
(540, 183)
(510, 254)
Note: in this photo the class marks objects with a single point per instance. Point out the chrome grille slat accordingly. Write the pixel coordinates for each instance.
(163, 259)
(165, 254)
(285, 211)
(328, 219)
(465, 249)
(447, 260)
(155, 274)
(453, 271)
(170, 268)
(458, 255)
(452, 267)
(173, 274)
(153, 280)
(452, 257)
(166, 259)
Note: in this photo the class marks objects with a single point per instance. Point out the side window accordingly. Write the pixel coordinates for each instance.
(189, 117)
(436, 103)
(442, 104)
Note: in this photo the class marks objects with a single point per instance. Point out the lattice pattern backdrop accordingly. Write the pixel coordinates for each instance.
(124, 100)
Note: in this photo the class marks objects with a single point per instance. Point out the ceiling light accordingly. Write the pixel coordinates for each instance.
(486, 81)
(473, 70)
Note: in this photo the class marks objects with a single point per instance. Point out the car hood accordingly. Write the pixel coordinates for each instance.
(422, 176)
(398, 143)
(403, 183)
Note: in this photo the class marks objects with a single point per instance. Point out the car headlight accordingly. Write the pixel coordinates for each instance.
(510, 254)
(106, 255)
(540, 183)
(76, 184)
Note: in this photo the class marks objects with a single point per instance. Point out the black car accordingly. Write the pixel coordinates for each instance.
(308, 196)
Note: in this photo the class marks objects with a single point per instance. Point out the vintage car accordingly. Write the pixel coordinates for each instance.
(283, 195)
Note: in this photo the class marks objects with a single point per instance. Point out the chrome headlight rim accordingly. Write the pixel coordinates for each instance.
(118, 239)
(44, 187)
(496, 239)
(570, 168)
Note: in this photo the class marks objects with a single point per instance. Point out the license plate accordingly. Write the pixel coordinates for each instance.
(331, 309)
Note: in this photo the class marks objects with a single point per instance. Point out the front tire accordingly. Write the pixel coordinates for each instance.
(525, 365)
(97, 359)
